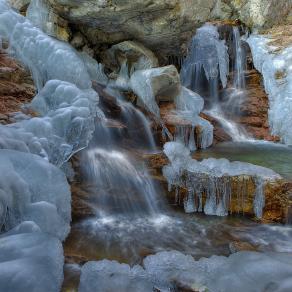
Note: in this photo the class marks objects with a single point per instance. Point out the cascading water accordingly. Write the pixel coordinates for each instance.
(122, 184)
(239, 79)
(207, 66)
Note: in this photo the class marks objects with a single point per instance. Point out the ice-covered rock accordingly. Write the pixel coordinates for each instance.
(110, 276)
(242, 271)
(46, 57)
(31, 189)
(153, 85)
(206, 52)
(212, 179)
(30, 260)
(189, 102)
(94, 69)
(172, 271)
(65, 123)
(276, 67)
(188, 107)
(137, 56)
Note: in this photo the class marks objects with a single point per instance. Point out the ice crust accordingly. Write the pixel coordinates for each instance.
(109, 276)
(172, 271)
(213, 177)
(276, 68)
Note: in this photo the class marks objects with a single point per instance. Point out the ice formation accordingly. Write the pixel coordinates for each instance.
(30, 260)
(188, 107)
(46, 57)
(256, 271)
(212, 177)
(110, 275)
(66, 105)
(24, 199)
(276, 68)
(34, 193)
(172, 271)
(141, 84)
(206, 52)
(39, 14)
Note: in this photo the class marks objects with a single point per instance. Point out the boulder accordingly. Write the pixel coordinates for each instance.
(133, 53)
(161, 83)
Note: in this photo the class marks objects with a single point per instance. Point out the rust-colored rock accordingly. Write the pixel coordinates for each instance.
(16, 87)
(278, 193)
(254, 109)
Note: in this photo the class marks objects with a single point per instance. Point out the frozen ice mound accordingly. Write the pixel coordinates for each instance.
(276, 69)
(30, 260)
(211, 177)
(206, 51)
(46, 57)
(172, 271)
(109, 276)
(64, 125)
(31, 189)
(242, 271)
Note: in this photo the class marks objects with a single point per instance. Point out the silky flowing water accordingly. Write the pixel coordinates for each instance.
(130, 218)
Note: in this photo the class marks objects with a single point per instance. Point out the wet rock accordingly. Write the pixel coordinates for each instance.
(254, 109)
(237, 246)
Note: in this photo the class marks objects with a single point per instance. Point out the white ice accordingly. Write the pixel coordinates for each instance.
(206, 51)
(30, 260)
(276, 69)
(213, 177)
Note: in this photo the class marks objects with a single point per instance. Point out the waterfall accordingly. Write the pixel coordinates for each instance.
(206, 69)
(239, 79)
(207, 60)
(120, 184)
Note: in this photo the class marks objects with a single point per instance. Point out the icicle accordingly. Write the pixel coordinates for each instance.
(259, 198)
(206, 51)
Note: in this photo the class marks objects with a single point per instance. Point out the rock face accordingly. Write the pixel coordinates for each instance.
(164, 26)
(255, 108)
(16, 87)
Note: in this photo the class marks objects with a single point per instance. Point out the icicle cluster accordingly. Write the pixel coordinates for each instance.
(206, 52)
(213, 179)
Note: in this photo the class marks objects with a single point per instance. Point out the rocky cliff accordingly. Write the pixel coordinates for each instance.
(165, 26)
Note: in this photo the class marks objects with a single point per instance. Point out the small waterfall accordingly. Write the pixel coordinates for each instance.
(119, 182)
(207, 62)
(121, 187)
(239, 79)
(205, 71)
